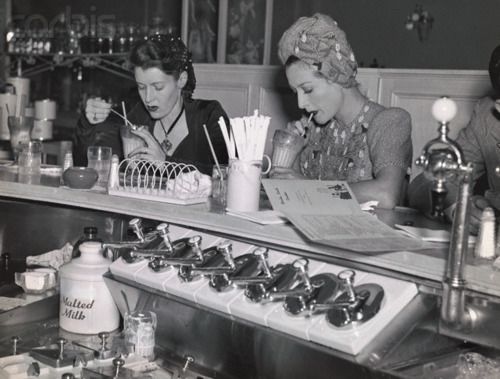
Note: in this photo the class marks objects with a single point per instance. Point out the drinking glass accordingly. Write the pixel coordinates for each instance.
(130, 141)
(139, 328)
(219, 188)
(20, 132)
(99, 158)
(30, 158)
(286, 146)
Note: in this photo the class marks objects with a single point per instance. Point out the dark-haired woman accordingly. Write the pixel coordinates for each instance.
(173, 121)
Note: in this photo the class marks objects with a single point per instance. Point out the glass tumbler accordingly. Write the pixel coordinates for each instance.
(130, 141)
(99, 158)
(219, 188)
(30, 158)
(140, 328)
(20, 132)
(286, 147)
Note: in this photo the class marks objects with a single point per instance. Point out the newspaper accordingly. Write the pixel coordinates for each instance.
(327, 212)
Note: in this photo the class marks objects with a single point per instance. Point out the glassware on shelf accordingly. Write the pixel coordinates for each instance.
(20, 132)
(61, 35)
(30, 158)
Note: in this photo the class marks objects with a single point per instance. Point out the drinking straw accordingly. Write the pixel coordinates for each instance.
(249, 134)
(8, 110)
(125, 114)
(22, 106)
(213, 152)
(120, 115)
(229, 145)
(300, 128)
(310, 118)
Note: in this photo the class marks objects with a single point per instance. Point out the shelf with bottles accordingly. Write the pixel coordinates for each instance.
(35, 48)
(29, 64)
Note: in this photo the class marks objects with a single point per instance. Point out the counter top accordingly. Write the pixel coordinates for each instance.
(426, 266)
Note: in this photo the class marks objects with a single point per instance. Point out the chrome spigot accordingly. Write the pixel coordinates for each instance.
(104, 352)
(61, 342)
(163, 230)
(118, 364)
(442, 159)
(236, 271)
(128, 250)
(15, 340)
(192, 254)
(215, 260)
(295, 281)
(355, 304)
(313, 295)
(184, 371)
(282, 278)
(245, 266)
(255, 270)
(301, 291)
(183, 252)
(136, 225)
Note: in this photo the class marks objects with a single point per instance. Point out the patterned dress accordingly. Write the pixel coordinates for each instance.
(378, 137)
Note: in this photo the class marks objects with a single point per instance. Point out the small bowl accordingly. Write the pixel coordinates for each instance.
(80, 177)
(36, 281)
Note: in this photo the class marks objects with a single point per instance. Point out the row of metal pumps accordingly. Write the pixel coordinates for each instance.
(340, 308)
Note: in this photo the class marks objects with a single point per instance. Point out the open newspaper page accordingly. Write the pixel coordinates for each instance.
(327, 212)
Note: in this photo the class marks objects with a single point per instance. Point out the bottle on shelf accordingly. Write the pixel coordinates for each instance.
(61, 35)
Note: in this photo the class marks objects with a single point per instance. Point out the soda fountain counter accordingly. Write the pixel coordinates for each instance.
(235, 299)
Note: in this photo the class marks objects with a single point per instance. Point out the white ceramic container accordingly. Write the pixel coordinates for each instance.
(86, 305)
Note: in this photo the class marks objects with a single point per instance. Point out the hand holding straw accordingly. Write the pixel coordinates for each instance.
(298, 125)
(213, 151)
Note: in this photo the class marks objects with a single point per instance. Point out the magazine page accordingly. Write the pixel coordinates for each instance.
(327, 212)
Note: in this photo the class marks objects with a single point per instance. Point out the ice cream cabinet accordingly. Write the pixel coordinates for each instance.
(229, 299)
(252, 310)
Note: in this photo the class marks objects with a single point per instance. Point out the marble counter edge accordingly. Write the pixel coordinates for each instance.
(414, 264)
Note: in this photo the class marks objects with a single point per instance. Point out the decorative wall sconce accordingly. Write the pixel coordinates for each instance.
(421, 21)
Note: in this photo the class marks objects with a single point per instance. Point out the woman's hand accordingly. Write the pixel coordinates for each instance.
(97, 110)
(152, 151)
(300, 127)
(285, 173)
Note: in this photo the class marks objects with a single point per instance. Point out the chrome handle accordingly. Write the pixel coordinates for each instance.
(136, 225)
(15, 340)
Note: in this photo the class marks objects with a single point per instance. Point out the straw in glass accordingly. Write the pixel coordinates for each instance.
(125, 113)
(213, 151)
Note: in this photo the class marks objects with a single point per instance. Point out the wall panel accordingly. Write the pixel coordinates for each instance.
(416, 91)
(241, 89)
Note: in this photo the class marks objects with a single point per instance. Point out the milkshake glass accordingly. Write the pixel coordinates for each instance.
(130, 141)
(286, 146)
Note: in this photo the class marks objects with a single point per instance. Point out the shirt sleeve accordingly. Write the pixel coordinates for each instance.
(106, 133)
(389, 140)
(469, 139)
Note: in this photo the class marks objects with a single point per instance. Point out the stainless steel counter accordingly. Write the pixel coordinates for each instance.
(232, 345)
(426, 266)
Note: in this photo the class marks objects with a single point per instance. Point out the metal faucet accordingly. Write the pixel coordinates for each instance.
(441, 159)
